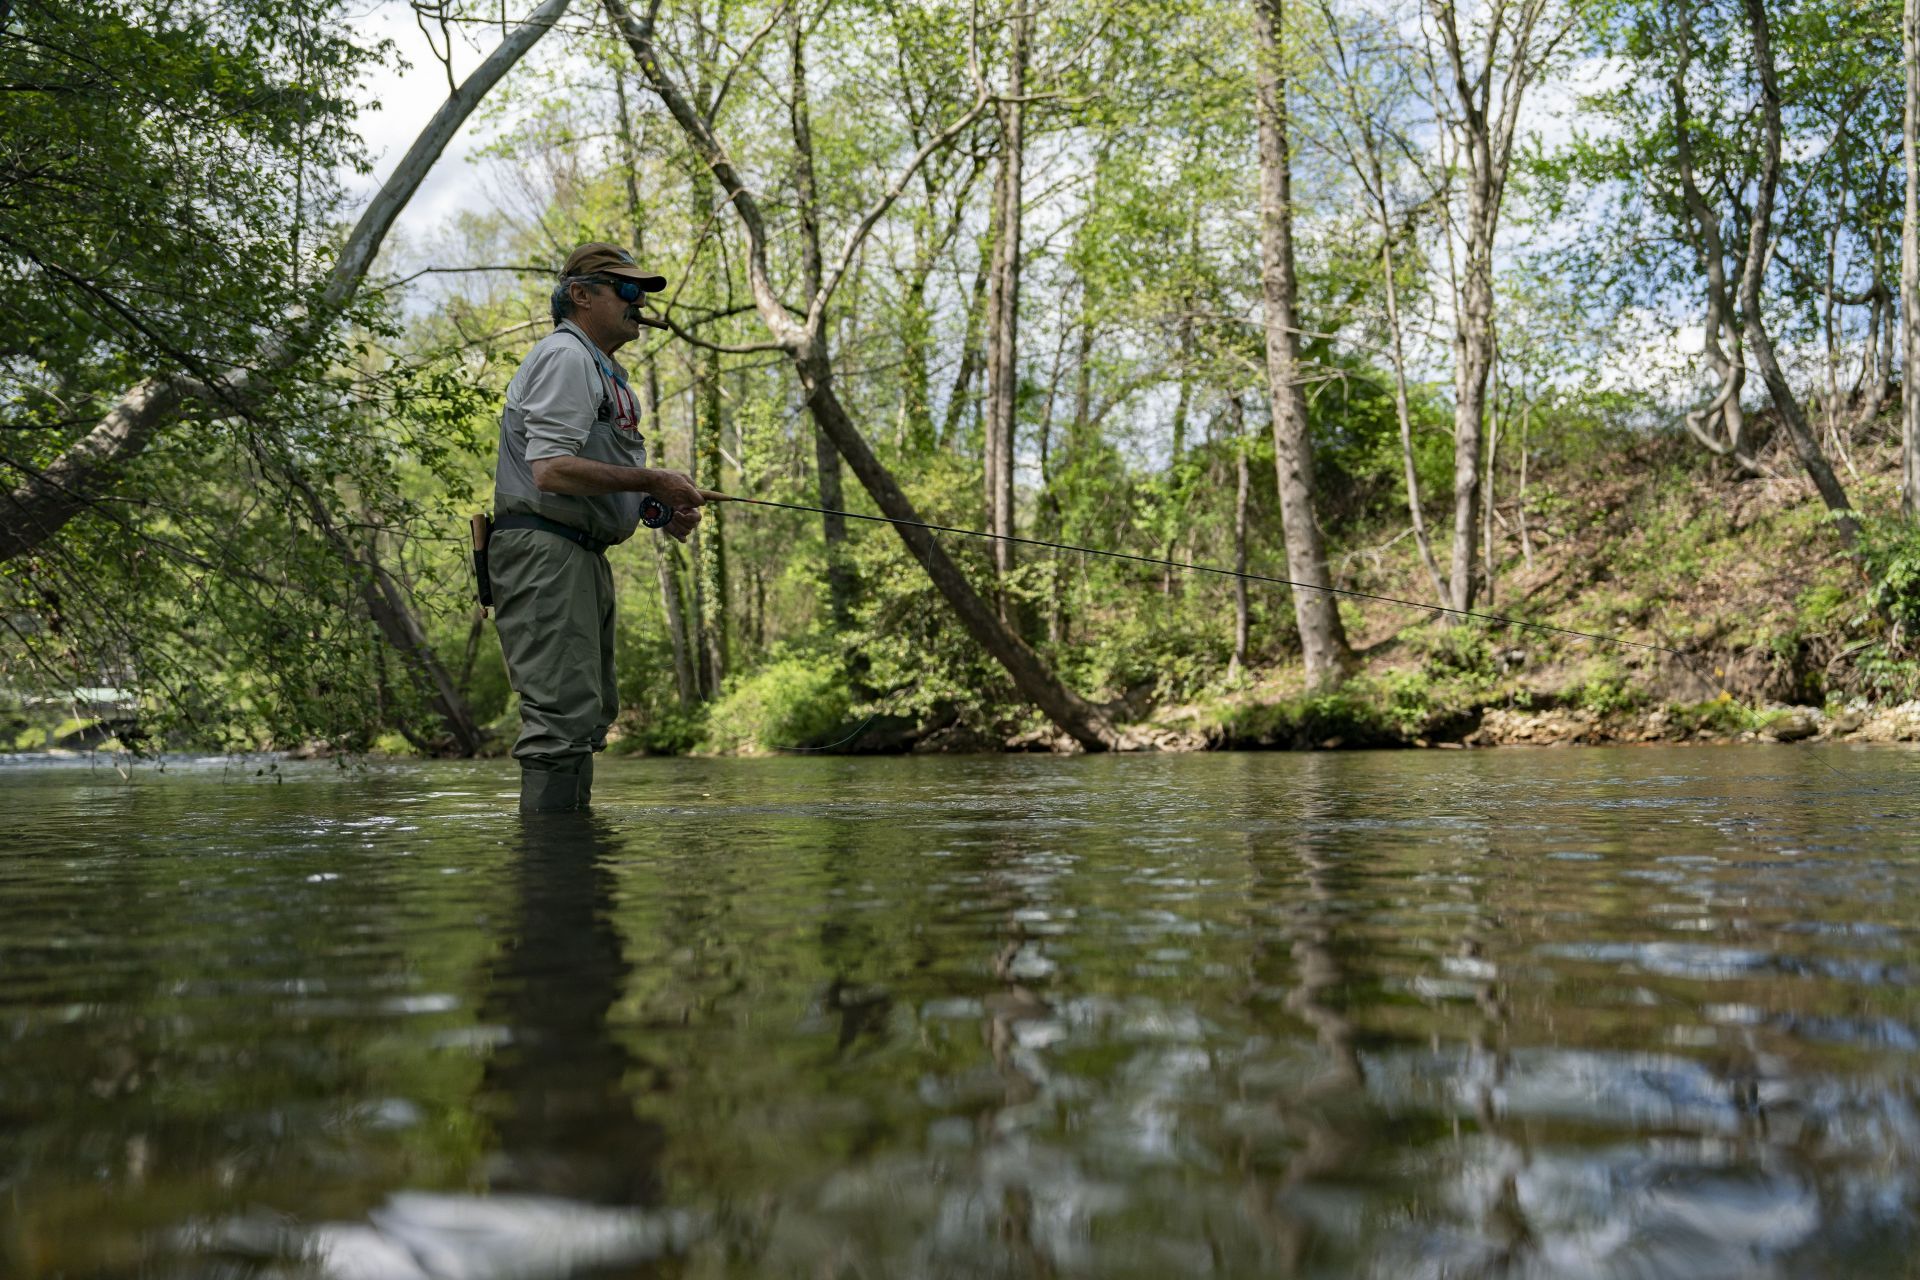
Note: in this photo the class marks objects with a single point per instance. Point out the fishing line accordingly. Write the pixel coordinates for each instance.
(1685, 659)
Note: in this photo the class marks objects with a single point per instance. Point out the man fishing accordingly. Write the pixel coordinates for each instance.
(572, 481)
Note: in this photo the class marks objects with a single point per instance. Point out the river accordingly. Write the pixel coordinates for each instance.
(1598, 1012)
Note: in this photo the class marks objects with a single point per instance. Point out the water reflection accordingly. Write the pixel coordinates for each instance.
(571, 1171)
(1635, 1013)
(559, 1092)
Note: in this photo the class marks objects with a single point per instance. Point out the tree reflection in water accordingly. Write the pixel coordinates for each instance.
(1301, 886)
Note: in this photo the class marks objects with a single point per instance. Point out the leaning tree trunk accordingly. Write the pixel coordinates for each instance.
(1323, 639)
(1080, 719)
(38, 508)
(1003, 329)
(1759, 341)
(805, 345)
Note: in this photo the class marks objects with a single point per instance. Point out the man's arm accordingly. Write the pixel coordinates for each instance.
(583, 477)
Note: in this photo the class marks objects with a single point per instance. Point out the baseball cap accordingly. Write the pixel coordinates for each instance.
(601, 259)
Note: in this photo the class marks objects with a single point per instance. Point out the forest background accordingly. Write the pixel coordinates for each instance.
(1592, 315)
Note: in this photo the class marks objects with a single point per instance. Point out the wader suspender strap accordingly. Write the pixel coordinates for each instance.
(605, 412)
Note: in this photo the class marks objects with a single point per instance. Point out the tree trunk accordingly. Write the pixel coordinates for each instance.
(1727, 363)
(1486, 144)
(388, 606)
(686, 684)
(1492, 471)
(806, 346)
(839, 572)
(1242, 612)
(713, 529)
(1910, 269)
(1323, 639)
(665, 562)
(1403, 411)
(1759, 341)
(970, 355)
(833, 527)
(37, 509)
(1472, 361)
(1520, 506)
(1003, 330)
(1077, 443)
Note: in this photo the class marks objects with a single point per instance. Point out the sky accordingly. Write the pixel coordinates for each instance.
(398, 101)
(401, 94)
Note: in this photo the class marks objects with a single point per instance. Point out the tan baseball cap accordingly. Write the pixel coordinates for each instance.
(602, 259)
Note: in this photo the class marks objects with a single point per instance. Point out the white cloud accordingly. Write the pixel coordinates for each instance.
(397, 102)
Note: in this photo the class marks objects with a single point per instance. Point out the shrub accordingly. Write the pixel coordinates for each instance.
(1891, 550)
(793, 700)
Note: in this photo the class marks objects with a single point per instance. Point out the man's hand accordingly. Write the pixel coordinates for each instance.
(684, 518)
(677, 491)
(674, 489)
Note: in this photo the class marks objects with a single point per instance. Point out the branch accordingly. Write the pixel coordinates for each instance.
(530, 269)
(638, 34)
(859, 234)
(36, 510)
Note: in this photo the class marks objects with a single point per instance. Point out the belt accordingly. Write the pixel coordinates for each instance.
(526, 520)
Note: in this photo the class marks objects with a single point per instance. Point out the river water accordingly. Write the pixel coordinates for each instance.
(1608, 1012)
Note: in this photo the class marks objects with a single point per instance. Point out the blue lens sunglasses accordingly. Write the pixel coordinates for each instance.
(628, 290)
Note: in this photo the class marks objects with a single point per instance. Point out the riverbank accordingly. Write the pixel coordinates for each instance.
(1742, 621)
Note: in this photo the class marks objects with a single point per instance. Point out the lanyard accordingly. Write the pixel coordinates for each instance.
(622, 406)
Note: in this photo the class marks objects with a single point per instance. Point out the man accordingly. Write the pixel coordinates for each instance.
(568, 485)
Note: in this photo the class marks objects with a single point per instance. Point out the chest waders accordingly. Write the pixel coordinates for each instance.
(553, 593)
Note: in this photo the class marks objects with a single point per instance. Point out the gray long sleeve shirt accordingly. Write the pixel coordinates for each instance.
(569, 399)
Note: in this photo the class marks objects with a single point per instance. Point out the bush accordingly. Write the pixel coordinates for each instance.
(796, 699)
(662, 731)
(1452, 650)
(1721, 715)
(1605, 691)
(1891, 550)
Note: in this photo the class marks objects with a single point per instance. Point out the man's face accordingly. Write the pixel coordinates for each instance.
(607, 318)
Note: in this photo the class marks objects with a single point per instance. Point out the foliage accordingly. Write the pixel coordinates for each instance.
(794, 699)
(172, 163)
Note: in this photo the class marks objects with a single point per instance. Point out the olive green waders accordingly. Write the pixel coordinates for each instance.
(554, 611)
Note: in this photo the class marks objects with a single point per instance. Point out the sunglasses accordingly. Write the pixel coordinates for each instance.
(628, 290)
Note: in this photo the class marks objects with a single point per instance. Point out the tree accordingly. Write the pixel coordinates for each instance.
(804, 343)
(1910, 264)
(1003, 302)
(189, 343)
(1369, 85)
(44, 502)
(1759, 234)
(1483, 91)
(1323, 640)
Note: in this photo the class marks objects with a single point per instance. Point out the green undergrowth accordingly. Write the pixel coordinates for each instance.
(1440, 699)
(1722, 716)
(797, 700)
